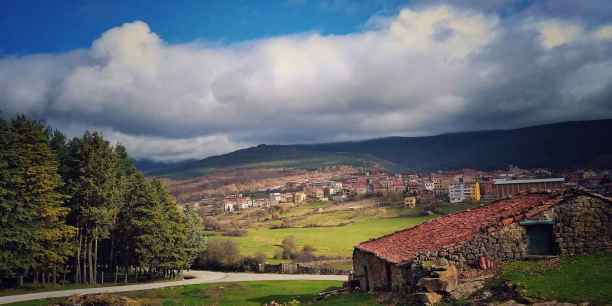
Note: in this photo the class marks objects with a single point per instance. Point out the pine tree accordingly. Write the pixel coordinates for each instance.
(92, 179)
(195, 241)
(37, 238)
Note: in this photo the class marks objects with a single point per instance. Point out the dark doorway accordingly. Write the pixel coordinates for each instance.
(367, 279)
(388, 275)
(541, 240)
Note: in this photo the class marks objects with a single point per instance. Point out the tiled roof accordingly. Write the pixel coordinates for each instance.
(455, 228)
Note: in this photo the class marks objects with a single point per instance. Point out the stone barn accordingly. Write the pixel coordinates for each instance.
(427, 258)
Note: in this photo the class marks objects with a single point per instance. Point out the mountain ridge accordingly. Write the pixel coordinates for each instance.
(563, 145)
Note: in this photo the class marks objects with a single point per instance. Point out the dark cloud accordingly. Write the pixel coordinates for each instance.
(429, 69)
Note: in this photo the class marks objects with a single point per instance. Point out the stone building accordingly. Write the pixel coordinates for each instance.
(427, 258)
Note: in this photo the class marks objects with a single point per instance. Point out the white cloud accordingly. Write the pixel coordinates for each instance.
(424, 71)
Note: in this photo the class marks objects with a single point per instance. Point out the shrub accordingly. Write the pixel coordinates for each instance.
(260, 258)
(235, 233)
(289, 248)
(211, 224)
(307, 254)
(220, 254)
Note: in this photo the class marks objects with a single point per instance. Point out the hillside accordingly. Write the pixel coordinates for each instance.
(558, 146)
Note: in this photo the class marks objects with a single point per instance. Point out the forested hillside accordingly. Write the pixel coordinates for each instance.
(71, 210)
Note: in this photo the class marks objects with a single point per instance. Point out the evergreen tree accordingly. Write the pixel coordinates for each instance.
(195, 241)
(92, 181)
(36, 237)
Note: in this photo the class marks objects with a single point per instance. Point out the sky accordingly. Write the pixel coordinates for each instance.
(176, 80)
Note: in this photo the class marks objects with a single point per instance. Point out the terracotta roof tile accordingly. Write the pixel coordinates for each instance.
(455, 228)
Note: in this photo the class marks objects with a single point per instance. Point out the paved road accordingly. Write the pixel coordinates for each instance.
(201, 277)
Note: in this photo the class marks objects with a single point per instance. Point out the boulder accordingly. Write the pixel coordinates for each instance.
(428, 298)
(432, 284)
(449, 278)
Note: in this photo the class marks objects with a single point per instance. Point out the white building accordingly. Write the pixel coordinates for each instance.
(458, 193)
(275, 197)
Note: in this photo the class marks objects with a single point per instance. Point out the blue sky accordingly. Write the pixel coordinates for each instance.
(175, 80)
(35, 26)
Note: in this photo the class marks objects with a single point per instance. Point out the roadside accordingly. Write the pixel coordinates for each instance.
(201, 277)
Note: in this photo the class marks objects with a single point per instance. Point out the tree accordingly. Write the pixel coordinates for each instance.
(195, 242)
(289, 247)
(35, 236)
(92, 180)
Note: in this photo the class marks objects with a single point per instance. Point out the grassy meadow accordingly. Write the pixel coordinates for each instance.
(332, 229)
(571, 279)
(329, 241)
(240, 293)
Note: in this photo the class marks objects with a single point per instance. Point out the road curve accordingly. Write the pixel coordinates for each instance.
(201, 277)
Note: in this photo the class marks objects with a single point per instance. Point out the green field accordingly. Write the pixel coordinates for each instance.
(573, 279)
(328, 241)
(241, 294)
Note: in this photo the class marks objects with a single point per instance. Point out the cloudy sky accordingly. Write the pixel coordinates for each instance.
(197, 78)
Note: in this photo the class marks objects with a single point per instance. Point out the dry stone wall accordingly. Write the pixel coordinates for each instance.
(496, 243)
(583, 225)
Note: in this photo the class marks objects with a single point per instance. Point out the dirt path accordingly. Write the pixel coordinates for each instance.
(201, 277)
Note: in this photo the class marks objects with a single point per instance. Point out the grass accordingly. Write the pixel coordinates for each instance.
(32, 288)
(242, 294)
(364, 222)
(574, 279)
(335, 241)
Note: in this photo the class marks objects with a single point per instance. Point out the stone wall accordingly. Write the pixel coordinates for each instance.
(583, 225)
(496, 243)
(376, 269)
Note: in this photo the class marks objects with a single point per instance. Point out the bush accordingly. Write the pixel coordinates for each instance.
(211, 224)
(236, 233)
(289, 248)
(220, 254)
(260, 257)
(307, 254)
(284, 224)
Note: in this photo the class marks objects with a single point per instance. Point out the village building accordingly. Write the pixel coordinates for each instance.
(526, 225)
(504, 187)
(299, 197)
(461, 192)
(410, 201)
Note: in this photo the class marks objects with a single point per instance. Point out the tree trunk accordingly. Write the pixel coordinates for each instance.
(95, 260)
(21, 280)
(77, 276)
(90, 261)
(84, 271)
(116, 274)
(54, 275)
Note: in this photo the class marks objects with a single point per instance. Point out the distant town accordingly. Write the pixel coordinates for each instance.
(466, 185)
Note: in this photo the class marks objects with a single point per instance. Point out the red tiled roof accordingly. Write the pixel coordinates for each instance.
(455, 228)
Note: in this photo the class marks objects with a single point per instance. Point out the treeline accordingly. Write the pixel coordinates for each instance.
(75, 210)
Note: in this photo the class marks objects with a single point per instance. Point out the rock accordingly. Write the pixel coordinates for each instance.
(449, 277)
(432, 284)
(466, 289)
(428, 298)
(553, 303)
